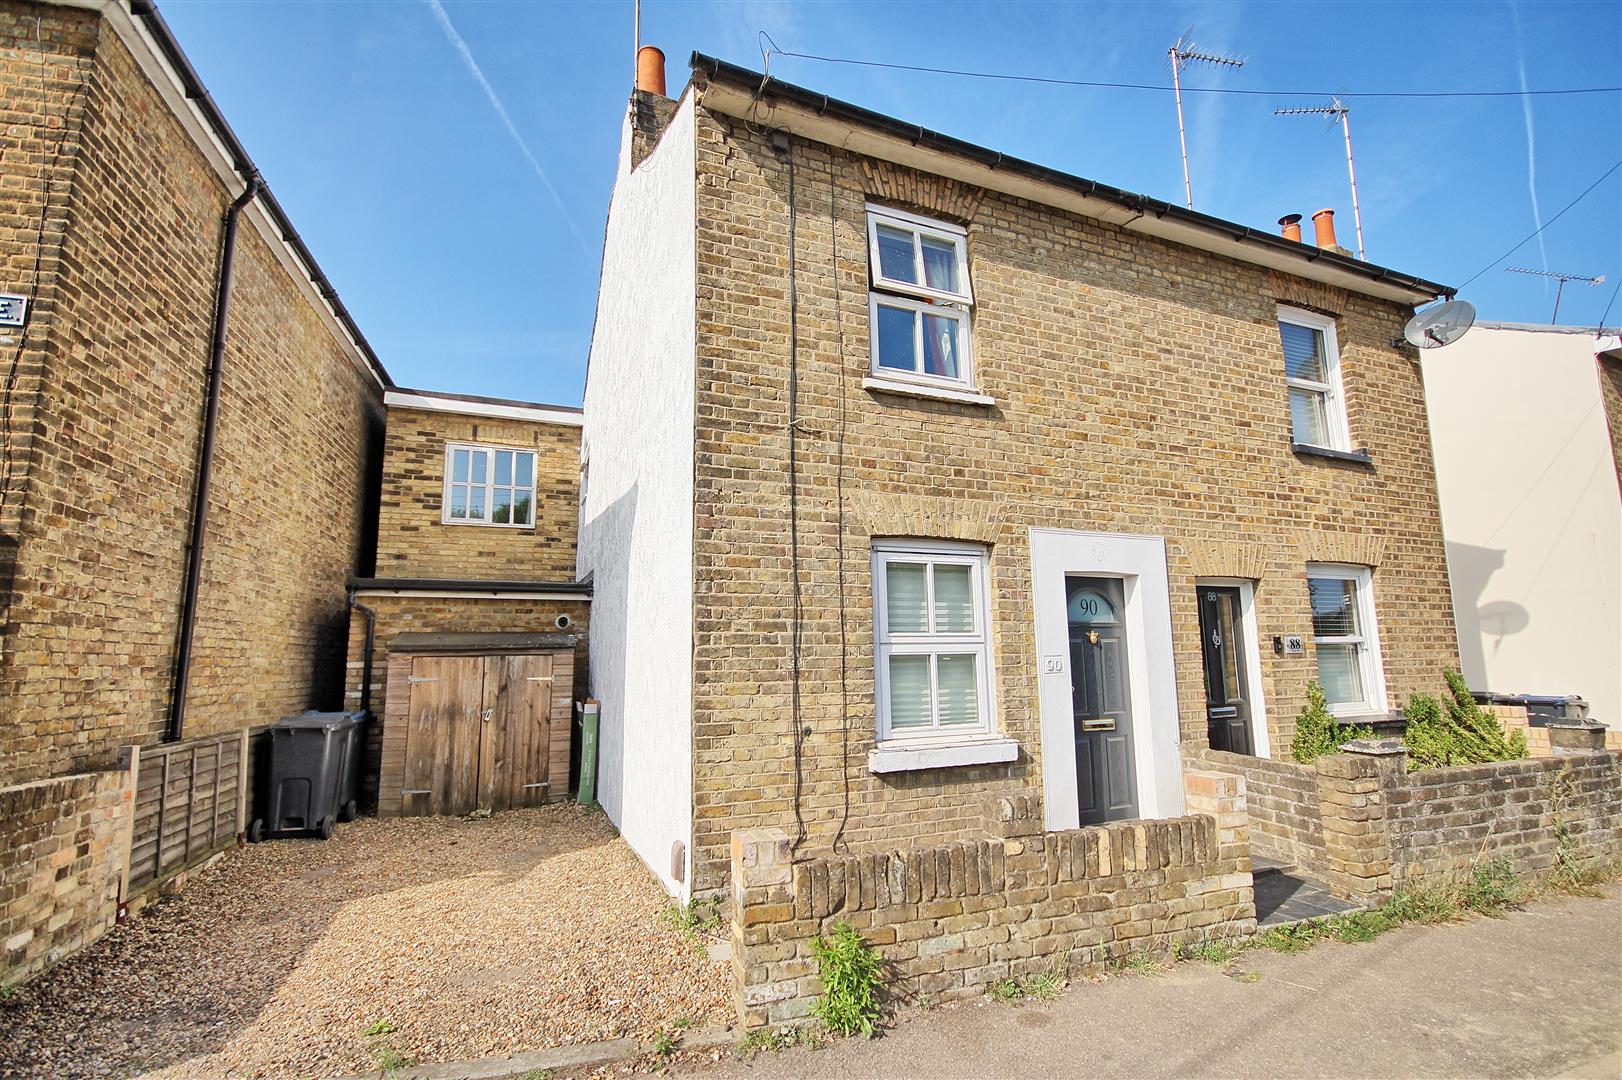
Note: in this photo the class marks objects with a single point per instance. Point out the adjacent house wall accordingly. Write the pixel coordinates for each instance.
(1530, 507)
(636, 532)
(103, 449)
(1139, 389)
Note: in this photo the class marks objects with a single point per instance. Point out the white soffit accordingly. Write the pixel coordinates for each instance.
(833, 132)
(406, 399)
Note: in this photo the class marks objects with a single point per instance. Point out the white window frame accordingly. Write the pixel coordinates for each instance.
(965, 355)
(919, 227)
(919, 299)
(1332, 388)
(1370, 667)
(978, 642)
(489, 485)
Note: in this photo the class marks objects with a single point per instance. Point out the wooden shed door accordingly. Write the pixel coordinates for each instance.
(478, 735)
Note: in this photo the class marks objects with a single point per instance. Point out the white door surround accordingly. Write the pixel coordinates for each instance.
(1140, 563)
(1259, 740)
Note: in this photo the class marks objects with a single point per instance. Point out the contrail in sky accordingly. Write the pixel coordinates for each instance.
(1531, 141)
(501, 111)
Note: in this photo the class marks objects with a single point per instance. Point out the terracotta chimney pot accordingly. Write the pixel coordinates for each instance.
(1292, 227)
(1324, 222)
(650, 70)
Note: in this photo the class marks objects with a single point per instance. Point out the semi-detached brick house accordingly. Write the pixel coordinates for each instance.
(917, 475)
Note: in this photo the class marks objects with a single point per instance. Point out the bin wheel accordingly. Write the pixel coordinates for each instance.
(328, 826)
(256, 830)
(349, 811)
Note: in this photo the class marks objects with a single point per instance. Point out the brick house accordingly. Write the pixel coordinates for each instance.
(116, 181)
(162, 322)
(473, 603)
(921, 477)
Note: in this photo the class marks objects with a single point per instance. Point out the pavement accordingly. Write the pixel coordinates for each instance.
(1537, 993)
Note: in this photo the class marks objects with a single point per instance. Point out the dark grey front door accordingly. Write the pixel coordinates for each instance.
(1106, 787)
(1227, 697)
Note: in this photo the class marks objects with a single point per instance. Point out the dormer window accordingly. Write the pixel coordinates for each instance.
(920, 300)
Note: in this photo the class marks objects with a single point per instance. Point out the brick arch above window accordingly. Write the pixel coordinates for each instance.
(925, 516)
(1351, 549)
(1225, 559)
(936, 195)
(1327, 300)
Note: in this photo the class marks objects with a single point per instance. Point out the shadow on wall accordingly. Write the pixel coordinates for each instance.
(1471, 568)
(610, 611)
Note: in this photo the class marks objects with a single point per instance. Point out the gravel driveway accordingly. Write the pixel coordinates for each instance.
(455, 938)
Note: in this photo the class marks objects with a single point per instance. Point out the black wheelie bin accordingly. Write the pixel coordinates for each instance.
(314, 774)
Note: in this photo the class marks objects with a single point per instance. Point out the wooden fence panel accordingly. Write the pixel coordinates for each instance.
(189, 802)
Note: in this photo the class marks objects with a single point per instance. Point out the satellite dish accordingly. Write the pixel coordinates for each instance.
(1440, 324)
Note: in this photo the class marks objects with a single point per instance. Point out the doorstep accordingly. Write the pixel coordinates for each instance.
(1284, 895)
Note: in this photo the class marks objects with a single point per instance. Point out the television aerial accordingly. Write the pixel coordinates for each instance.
(1440, 324)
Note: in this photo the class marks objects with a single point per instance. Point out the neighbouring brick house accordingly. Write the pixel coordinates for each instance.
(474, 605)
(116, 173)
(921, 477)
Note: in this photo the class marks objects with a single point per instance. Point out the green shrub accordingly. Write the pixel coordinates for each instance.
(1316, 731)
(1493, 885)
(851, 974)
(1456, 731)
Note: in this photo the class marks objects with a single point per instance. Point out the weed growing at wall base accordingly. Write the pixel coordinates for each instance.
(851, 978)
(1039, 987)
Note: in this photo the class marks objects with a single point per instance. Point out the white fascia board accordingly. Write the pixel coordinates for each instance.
(157, 70)
(832, 132)
(538, 414)
(464, 594)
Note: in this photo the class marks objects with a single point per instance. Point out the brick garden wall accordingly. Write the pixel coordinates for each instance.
(1380, 827)
(1138, 389)
(413, 542)
(62, 849)
(1442, 821)
(101, 458)
(954, 919)
(1282, 800)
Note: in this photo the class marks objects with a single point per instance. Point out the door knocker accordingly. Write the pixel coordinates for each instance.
(1092, 637)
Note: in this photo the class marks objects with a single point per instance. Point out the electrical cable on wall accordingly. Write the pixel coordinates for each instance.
(46, 166)
(795, 613)
(839, 507)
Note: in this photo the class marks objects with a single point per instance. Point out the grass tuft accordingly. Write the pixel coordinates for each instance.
(1043, 986)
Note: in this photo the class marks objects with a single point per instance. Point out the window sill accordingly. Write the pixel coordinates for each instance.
(919, 390)
(899, 756)
(1357, 457)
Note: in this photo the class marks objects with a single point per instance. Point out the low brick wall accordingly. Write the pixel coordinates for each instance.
(63, 845)
(952, 920)
(1441, 821)
(1380, 827)
(1282, 799)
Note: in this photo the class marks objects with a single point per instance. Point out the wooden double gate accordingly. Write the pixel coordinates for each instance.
(475, 732)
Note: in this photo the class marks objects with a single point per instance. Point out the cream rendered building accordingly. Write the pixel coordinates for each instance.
(1523, 421)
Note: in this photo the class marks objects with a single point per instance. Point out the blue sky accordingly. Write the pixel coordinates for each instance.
(470, 261)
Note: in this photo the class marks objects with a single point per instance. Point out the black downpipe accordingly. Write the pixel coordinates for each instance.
(205, 466)
(366, 657)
